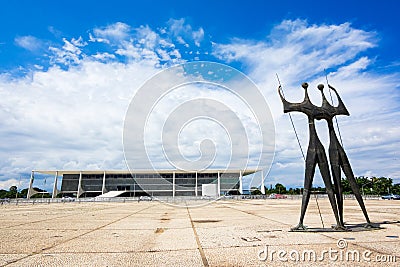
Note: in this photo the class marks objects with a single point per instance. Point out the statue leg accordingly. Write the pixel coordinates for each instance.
(353, 184)
(311, 162)
(324, 169)
(337, 181)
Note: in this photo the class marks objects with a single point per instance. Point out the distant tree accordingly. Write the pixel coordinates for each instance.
(3, 193)
(293, 191)
(268, 190)
(346, 187)
(360, 182)
(396, 189)
(319, 190)
(12, 193)
(13, 188)
(280, 188)
(255, 191)
(23, 193)
(365, 184)
(379, 186)
(382, 185)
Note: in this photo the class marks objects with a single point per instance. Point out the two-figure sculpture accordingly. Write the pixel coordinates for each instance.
(316, 156)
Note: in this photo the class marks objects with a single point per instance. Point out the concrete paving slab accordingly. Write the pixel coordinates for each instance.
(172, 258)
(113, 241)
(63, 224)
(30, 241)
(8, 258)
(294, 255)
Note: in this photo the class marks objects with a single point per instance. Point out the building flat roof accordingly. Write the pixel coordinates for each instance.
(62, 172)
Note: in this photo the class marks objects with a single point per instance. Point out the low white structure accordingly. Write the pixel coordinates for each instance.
(209, 190)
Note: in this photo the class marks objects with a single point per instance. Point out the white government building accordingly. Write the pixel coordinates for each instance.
(112, 183)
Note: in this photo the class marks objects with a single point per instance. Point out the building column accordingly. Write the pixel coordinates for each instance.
(30, 188)
(219, 185)
(103, 188)
(262, 183)
(134, 185)
(55, 191)
(173, 184)
(80, 190)
(240, 182)
(196, 186)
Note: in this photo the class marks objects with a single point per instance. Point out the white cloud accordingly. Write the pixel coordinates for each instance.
(114, 32)
(184, 33)
(300, 52)
(296, 48)
(147, 37)
(198, 36)
(29, 42)
(136, 44)
(69, 54)
(67, 118)
(180, 40)
(104, 56)
(12, 182)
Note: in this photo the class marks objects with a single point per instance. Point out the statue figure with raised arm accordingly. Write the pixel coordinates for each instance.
(315, 155)
(337, 156)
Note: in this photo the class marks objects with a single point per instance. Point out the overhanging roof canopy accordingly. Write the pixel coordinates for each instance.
(62, 172)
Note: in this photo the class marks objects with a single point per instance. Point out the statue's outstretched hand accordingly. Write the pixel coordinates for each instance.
(280, 91)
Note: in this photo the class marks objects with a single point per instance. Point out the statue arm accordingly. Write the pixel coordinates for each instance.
(341, 108)
(287, 106)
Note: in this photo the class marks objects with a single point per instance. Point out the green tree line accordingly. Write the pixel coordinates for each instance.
(14, 193)
(368, 186)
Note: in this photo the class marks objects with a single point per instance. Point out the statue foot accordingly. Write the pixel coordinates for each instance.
(370, 226)
(339, 227)
(299, 227)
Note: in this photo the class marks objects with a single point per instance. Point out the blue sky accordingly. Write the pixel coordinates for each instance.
(223, 20)
(69, 68)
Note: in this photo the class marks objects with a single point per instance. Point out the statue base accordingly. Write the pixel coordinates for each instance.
(349, 228)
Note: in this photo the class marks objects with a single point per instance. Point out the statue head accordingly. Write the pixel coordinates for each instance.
(305, 85)
(320, 87)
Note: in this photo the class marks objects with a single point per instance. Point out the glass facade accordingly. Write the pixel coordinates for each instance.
(163, 184)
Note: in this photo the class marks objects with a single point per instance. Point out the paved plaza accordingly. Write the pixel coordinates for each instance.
(222, 233)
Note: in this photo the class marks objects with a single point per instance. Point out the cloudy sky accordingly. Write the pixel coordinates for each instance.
(69, 70)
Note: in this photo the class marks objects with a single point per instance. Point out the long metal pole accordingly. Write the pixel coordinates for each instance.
(196, 186)
(240, 182)
(54, 195)
(319, 211)
(337, 124)
(291, 120)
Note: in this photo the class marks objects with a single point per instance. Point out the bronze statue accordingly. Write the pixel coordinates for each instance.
(315, 155)
(337, 156)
